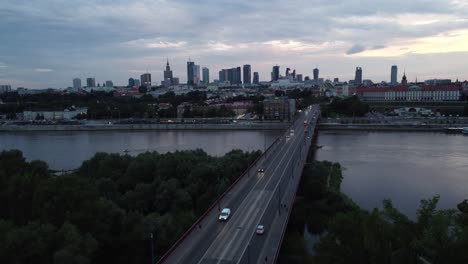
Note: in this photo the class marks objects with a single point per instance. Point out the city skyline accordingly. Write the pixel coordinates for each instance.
(49, 43)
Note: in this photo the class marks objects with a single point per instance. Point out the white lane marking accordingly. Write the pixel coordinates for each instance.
(276, 187)
(244, 201)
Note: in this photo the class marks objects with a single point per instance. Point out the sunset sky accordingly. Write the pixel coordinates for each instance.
(47, 43)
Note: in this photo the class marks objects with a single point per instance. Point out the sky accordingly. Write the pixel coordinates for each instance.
(47, 43)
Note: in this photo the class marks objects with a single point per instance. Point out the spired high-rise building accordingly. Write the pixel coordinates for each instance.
(394, 75)
(76, 83)
(316, 74)
(256, 78)
(168, 73)
(358, 76)
(247, 74)
(206, 75)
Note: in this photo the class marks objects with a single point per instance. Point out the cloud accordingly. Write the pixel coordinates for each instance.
(356, 48)
(82, 38)
(43, 70)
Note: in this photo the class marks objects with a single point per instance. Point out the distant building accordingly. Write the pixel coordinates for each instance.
(90, 82)
(299, 78)
(316, 74)
(146, 79)
(256, 78)
(109, 84)
(168, 73)
(438, 82)
(247, 74)
(76, 84)
(131, 82)
(190, 72)
(5, 88)
(279, 108)
(137, 83)
(394, 75)
(196, 74)
(206, 75)
(275, 73)
(233, 76)
(404, 81)
(367, 82)
(358, 76)
(413, 93)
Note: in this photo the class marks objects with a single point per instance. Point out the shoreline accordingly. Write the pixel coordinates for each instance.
(395, 128)
(142, 127)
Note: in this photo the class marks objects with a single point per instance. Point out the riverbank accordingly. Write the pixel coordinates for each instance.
(385, 127)
(134, 127)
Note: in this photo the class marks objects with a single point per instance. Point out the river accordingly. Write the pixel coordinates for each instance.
(405, 166)
(67, 150)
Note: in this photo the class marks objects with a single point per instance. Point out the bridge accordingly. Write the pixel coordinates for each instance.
(256, 198)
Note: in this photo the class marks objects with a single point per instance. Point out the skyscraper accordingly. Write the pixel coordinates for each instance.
(358, 76)
(275, 73)
(76, 83)
(222, 75)
(299, 77)
(109, 84)
(90, 82)
(316, 74)
(256, 78)
(238, 75)
(206, 75)
(394, 75)
(131, 82)
(196, 74)
(168, 73)
(146, 79)
(190, 72)
(247, 74)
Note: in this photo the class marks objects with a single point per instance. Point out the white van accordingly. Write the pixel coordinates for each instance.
(225, 213)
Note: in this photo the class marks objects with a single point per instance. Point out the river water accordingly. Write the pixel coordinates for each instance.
(67, 150)
(404, 167)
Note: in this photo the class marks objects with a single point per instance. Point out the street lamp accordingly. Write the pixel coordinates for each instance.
(152, 248)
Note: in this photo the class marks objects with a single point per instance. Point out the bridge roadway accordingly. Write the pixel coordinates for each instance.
(257, 198)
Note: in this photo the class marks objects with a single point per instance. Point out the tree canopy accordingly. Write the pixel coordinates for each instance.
(105, 211)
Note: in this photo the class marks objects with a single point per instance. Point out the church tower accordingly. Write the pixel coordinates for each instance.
(404, 81)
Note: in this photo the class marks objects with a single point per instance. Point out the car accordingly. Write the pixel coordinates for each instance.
(260, 230)
(261, 170)
(224, 215)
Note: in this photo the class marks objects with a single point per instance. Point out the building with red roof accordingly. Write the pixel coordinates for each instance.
(411, 93)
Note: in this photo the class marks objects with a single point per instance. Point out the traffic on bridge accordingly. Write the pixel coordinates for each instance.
(247, 223)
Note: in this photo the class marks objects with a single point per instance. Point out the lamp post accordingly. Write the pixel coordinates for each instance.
(152, 249)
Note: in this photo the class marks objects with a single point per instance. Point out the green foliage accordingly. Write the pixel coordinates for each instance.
(350, 106)
(353, 235)
(105, 211)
